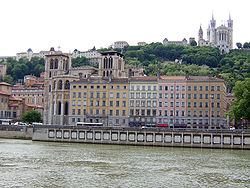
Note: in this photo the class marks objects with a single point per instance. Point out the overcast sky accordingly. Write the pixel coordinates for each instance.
(82, 24)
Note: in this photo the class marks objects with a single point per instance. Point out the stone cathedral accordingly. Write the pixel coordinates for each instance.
(221, 37)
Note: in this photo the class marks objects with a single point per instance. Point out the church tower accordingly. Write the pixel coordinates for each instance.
(230, 31)
(111, 64)
(57, 89)
(212, 32)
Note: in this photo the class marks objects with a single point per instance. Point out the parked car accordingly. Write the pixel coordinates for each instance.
(20, 124)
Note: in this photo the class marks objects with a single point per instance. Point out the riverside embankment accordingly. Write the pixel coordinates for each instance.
(145, 137)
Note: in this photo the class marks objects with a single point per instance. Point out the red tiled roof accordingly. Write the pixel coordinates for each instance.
(4, 83)
(15, 98)
(13, 105)
(173, 77)
(34, 105)
(144, 78)
(4, 93)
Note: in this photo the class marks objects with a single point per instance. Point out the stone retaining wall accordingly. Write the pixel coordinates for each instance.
(145, 137)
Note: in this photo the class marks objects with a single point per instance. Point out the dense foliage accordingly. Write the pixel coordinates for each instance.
(32, 116)
(16, 70)
(241, 106)
(233, 67)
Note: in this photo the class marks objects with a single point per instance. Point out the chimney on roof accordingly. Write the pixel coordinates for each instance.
(210, 74)
(187, 75)
(158, 74)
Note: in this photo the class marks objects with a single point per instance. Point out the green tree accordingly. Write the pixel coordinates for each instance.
(193, 43)
(32, 116)
(241, 106)
(239, 45)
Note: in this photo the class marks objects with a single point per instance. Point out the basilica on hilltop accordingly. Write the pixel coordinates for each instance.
(221, 37)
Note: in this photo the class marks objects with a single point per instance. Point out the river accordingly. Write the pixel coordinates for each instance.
(24, 163)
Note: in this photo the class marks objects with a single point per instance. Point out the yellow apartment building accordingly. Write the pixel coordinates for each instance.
(99, 100)
(206, 102)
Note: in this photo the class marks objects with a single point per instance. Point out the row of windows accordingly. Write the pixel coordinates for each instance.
(148, 112)
(100, 87)
(4, 100)
(99, 103)
(28, 95)
(143, 95)
(143, 103)
(99, 112)
(7, 114)
(143, 87)
(171, 104)
(201, 105)
(203, 96)
(98, 95)
(142, 112)
(171, 96)
(189, 88)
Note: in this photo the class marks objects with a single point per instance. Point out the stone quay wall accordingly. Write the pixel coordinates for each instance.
(144, 137)
(20, 132)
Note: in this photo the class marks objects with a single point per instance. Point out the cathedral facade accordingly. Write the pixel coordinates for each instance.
(221, 37)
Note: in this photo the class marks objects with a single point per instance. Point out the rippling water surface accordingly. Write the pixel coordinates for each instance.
(40, 164)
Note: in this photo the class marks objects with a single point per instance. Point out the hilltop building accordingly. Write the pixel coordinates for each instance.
(120, 44)
(221, 37)
(182, 43)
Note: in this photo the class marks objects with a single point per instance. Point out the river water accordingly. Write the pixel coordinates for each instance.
(24, 163)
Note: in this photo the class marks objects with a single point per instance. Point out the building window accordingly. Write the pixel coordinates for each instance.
(73, 111)
(123, 103)
(155, 88)
(149, 95)
(177, 104)
(166, 95)
(166, 88)
(123, 112)
(117, 95)
(212, 88)
(165, 104)
(183, 104)
(79, 103)
(149, 88)
(91, 95)
(79, 112)
(195, 96)
(132, 95)
(200, 96)
(117, 112)
(218, 88)
(137, 95)
(143, 103)
(103, 95)
(84, 103)
(148, 103)
(189, 88)
(111, 95)
(124, 95)
(160, 88)
(189, 104)
(117, 103)
(218, 96)
(206, 89)
(200, 88)
(111, 112)
(160, 95)
(73, 103)
(137, 103)
(131, 103)
(74, 94)
(97, 95)
(154, 103)
(189, 95)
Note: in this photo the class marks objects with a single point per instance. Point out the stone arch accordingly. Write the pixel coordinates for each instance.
(111, 62)
(67, 85)
(60, 84)
(105, 62)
